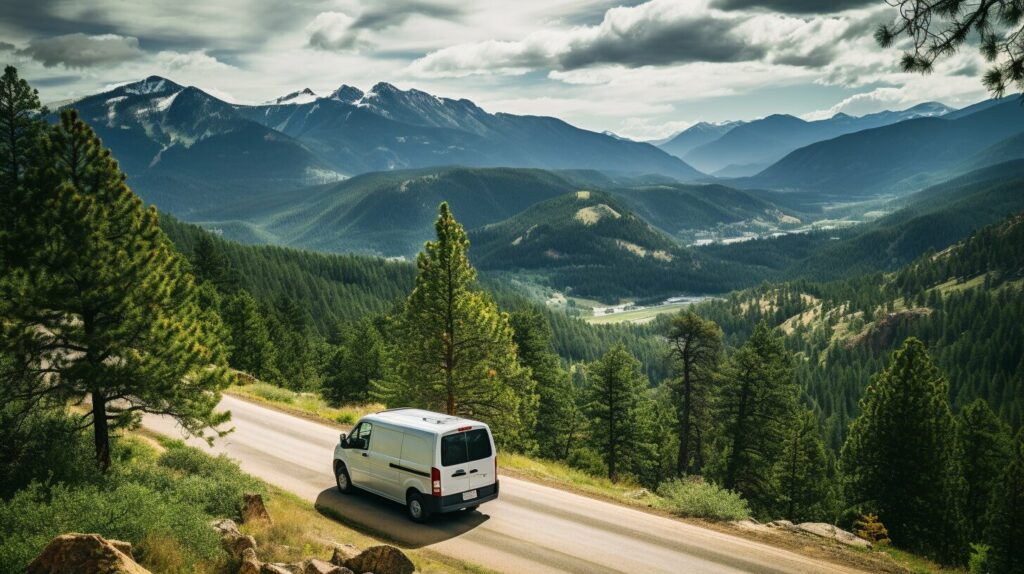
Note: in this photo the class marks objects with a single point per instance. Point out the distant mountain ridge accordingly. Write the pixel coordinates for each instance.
(747, 148)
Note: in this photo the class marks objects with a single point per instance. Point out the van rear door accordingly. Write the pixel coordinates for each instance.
(481, 458)
(454, 463)
(468, 459)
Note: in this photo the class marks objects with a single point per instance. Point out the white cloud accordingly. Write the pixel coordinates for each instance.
(332, 31)
(195, 60)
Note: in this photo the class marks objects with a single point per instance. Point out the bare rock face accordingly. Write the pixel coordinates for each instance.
(383, 559)
(277, 569)
(85, 554)
(250, 564)
(829, 531)
(225, 526)
(253, 509)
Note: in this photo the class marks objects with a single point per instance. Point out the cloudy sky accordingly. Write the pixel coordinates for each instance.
(640, 69)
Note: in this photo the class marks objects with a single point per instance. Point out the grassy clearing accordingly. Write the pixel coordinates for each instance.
(636, 316)
(305, 404)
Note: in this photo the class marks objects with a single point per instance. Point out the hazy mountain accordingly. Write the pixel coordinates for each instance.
(747, 148)
(384, 213)
(696, 135)
(896, 158)
(184, 149)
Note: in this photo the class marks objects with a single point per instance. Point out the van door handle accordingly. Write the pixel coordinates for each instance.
(459, 473)
(474, 470)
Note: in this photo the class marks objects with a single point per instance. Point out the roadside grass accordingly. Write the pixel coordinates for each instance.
(918, 564)
(305, 404)
(560, 474)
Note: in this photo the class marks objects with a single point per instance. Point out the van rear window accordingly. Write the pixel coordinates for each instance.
(465, 447)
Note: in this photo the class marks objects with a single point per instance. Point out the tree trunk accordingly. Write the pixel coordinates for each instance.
(101, 431)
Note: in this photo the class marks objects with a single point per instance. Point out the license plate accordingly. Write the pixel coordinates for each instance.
(469, 495)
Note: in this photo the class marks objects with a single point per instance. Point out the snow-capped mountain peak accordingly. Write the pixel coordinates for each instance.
(303, 96)
(346, 93)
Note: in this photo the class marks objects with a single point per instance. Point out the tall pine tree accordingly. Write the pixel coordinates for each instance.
(615, 385)
(356, 364)
(108, 301)
(984, 443)
(695, 345)
(557, 410)
(801, 471)
(756, 406)
(1006, 515)
(454, 350)
(900, 457)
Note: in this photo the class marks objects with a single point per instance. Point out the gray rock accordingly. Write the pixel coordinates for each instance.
(317, 566)
(225, 526)
(83, 554)
(829, 531)
(343, 553)
(383, 559)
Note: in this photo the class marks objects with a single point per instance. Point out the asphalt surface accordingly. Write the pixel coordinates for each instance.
(530, 528)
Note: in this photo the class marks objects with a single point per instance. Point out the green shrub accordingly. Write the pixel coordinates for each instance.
(346, 418)
(588, 460)
(978, 563)
(43, 446)
(699, 499)
(271, 393)
(121, 509)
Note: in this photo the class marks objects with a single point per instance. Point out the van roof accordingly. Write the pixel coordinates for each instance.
(421, 419)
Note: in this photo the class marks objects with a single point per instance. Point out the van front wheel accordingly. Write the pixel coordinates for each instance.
(342, 478)
(417, 510)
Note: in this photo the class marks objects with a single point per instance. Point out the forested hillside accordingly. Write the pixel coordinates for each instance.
(966, 303)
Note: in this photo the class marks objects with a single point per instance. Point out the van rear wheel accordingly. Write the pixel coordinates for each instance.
(343, 480)
(416, 508)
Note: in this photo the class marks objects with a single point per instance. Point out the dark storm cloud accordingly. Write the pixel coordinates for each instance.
(82, 51)
(796, 6)
(383, 15)
(7, 47)
(660, 42)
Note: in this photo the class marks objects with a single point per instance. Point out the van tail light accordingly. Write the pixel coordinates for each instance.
(435, 482)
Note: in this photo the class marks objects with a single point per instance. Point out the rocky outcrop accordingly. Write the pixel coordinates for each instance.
(829, 531)
(85, 554)
(316, 566)
(231, 539)
(250, 563)
(383, 559)
(253, 509)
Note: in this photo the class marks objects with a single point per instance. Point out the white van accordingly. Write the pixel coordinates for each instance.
(428, 461)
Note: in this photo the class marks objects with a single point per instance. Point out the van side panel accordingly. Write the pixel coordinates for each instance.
(387, 451)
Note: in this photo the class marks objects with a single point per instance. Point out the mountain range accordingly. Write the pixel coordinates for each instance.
(736, 149)
(185, 149)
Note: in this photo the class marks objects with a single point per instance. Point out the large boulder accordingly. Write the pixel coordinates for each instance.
(234, 542)
(253, 509)
(84, 554)
(343, 553)
(829, 531)
(278, 568)
(383, 559)
(250, 563)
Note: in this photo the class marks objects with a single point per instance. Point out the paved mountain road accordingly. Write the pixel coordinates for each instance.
(530, 528)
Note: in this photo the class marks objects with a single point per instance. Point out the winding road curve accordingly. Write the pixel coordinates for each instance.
(530, 528)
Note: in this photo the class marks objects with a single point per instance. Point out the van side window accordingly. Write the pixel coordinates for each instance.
(360, 437)
(465, 447)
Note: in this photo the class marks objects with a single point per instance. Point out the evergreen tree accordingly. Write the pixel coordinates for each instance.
(209, 263)
(109, 301)
(614, 388)
(984, 443)
(356, 363)
(756, 406)
(20, 127)
(557, 411)
(801, 471)
(695, 345)
(249, 344)
(900, 458)
(454, 350)
(1006, 515)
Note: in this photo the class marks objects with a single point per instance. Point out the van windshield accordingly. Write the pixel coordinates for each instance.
(465, 447)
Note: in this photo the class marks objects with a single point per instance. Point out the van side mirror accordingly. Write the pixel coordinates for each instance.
(342, 438)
